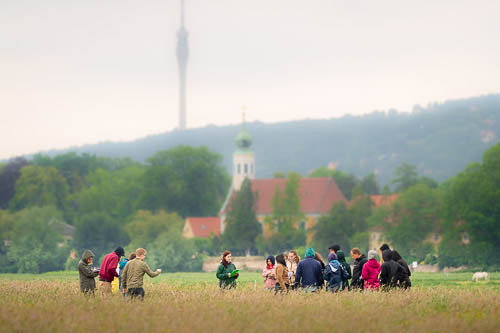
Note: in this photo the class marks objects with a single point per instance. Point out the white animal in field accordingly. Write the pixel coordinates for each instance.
(480, 275)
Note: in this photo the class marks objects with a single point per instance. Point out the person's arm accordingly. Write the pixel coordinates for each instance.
(298, 275)
(220, 273)
(113, 263)
(87, 270)
(124, 278)
(384, 274)
(364, 273)
(265, 272)
(319, 277)
(148, 270)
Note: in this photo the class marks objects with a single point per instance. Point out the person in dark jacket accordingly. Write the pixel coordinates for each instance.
(87, 272)
(108, 272)
(227, 280)
(347, 270)
(309, 273)
(390, 272)
(333, 273)
(359, 261)
(381, 250)
(404, 281)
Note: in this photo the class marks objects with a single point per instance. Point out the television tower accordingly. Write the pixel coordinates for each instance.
(182, 58)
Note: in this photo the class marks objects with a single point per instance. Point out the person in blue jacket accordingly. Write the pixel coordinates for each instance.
(309, 275)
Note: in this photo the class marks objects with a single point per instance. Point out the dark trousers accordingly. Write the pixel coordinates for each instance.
(136, 293)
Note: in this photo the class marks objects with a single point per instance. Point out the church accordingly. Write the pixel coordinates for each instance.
(317, 195)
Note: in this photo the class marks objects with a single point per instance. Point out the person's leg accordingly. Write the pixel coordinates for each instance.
(105, 288)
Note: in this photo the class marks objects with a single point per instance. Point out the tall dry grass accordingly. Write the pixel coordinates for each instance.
(55, 306)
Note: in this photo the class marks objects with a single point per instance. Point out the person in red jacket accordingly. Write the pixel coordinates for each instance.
(371, 271)
(107, 272)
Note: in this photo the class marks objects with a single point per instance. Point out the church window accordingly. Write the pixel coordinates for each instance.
(239, 169)
(251, 168)
(246, 168)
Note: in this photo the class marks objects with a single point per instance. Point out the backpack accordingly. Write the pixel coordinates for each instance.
(334, 274)
(344, 273)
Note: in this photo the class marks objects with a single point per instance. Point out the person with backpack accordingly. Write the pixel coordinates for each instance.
(404, 281)
(347, 270)
(334, 274)
(391, 271)
(359, 261)
(370, 272)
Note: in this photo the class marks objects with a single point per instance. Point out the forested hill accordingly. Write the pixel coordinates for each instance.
(441, 140)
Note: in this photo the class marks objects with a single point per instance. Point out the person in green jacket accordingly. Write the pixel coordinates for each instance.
(347, 269)
(227, 280)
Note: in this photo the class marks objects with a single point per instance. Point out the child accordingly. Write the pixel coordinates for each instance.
(371, 271)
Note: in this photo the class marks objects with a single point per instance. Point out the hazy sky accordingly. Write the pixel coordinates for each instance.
(83, 71)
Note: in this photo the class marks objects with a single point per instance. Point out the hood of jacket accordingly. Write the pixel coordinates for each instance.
(310, 252)
(387, 255)
(86, 255)
(361, 258)
(341, 256)
(373, 263)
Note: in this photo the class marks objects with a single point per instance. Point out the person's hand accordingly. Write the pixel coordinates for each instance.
(159, 270)
(228, 274)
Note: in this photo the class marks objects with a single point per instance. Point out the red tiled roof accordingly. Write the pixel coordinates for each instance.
(380, 200)
(317, 195)
(204, 226)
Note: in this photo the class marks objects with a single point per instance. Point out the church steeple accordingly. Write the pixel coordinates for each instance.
(243, 158)
(182, 58)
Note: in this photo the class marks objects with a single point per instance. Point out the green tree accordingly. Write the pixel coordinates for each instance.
(345, 182)
(344, 225)
(405, 176)
(9, 175)
(35, 241)
(242, 226)
(40, 186)
(287, 220)
(471, 206)
(415, 214)
(189, 181)
(369, 184)
(100, 233)
(6, 232)
(114, 192)
(145, 227)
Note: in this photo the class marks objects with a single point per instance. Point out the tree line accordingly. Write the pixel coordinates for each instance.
(107, 202)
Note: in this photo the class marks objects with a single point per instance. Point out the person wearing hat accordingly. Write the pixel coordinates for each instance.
(370, 272)
(309, 274)
(108, 272)
(269, 274)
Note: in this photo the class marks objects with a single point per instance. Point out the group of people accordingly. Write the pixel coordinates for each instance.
(311, 274)
(129, 272)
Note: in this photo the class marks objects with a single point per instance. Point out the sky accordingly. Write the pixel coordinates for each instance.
(76, 72)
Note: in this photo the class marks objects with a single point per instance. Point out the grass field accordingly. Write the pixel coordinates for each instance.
(189, 302)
